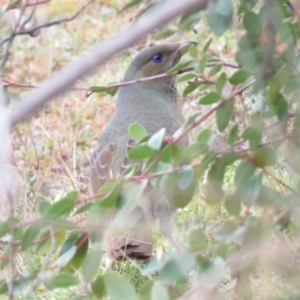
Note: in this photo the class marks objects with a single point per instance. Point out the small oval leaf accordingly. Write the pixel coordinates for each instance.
(137, 131)
(210, 98)
(140, 152)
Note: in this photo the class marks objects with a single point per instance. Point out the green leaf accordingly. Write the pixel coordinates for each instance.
(203, 136)
(197, 240)
(179, 66)
(91, 264)
(220, 16)
(137, 131)
(193, 51)
(186, 77)
(205, 162)
(296, 125)
(233, 205)
(186, 177)
(82, 245)
(45, 239)
(102, 89)
(129, 198)
(265, 156)
(249, 3)
(250, 189)
(97, 89)
(191, 87)
(220, 83)
(202, 63)
(3, 288)
(239, 77)
(145, 290)
(43, 207)
(154, 266)
(243, 172)
(156, 140)
(170, 184)
(225, 231)
(69, 242)
(140, 152)
(6, 253)
(278, 104)
(98, 286)
(269, 196)
(253, 136)
(63, 281)
(61, 207)
(168, 152)
(194, 151)
(4, 227)
(224, 114)
(233, 134)
(30, 235)
(213, 188)
(206, 46)
(210, 98)
(213, 273)
(83, 208)
(118, 287)
(217, 171)
(111, 91)
(177, 268)
(252, 23)
(66, 257)
(214, 70)
(73, 252)
(159, 292)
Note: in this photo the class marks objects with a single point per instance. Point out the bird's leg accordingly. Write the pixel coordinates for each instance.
(166, 225)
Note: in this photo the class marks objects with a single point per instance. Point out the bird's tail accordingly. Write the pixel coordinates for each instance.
(136, 244)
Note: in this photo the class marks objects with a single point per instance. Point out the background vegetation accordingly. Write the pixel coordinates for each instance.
(237, 193)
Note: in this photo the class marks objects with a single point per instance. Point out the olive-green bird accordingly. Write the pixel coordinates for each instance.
(152, 104)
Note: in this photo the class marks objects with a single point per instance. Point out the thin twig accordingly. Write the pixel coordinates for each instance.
(10, 39)
(63, 20)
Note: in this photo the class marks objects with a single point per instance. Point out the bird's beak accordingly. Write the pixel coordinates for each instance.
(184, 46)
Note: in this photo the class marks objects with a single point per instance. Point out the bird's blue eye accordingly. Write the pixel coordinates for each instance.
(157, 58)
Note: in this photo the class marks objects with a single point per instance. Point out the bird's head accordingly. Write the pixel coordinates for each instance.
(156, 60)
(151, 62)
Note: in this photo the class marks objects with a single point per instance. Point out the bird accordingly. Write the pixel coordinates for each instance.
(154, 105)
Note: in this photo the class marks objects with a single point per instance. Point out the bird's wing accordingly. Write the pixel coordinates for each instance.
(126, 161)
(101, 169)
